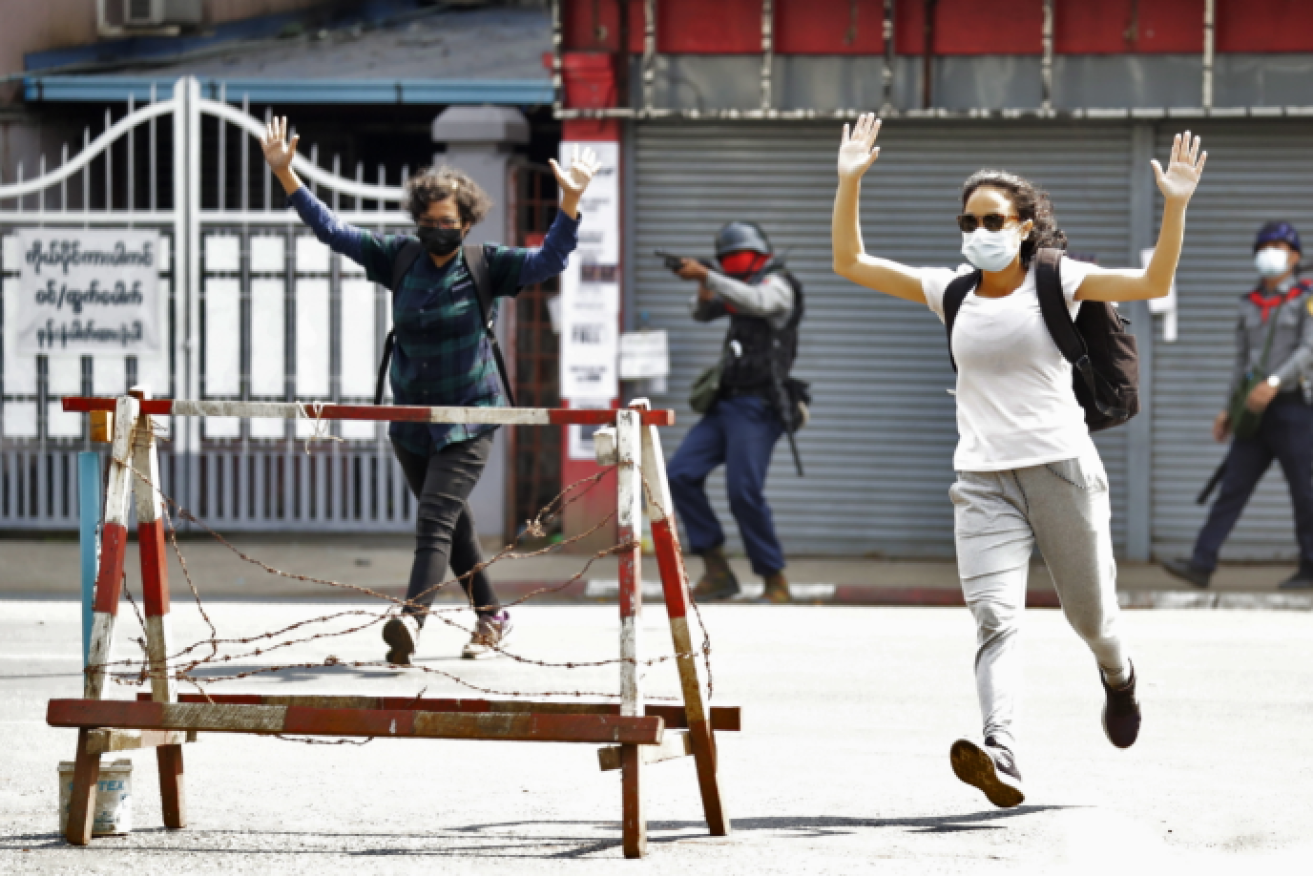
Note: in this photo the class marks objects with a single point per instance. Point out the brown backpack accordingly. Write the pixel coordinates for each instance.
(1104, 358)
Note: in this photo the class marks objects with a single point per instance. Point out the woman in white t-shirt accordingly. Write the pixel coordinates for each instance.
(1028, 473)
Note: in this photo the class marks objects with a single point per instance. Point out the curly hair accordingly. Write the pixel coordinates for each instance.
(1030, 202)
(434, 184)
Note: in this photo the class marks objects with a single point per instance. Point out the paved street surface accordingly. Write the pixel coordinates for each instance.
(842, 766)
(49, 568)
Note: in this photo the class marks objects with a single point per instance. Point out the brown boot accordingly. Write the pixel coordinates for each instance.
(718, 581)
(777, 590)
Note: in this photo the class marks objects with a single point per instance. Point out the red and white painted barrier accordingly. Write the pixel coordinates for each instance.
(316, 411)
(629, 492)
(165, 720)
(674, 585)
(113, 546)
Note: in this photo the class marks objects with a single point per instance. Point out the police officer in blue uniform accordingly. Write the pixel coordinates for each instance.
(764, 304)
(1274, 336)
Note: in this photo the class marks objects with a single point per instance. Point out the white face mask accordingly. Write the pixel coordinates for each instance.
(991, 250)
(1272, 262)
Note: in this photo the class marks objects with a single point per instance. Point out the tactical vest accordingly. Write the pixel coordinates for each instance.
(764, 354)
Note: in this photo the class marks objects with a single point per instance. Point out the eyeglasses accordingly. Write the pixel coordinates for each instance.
(992, 222)
(441, 223)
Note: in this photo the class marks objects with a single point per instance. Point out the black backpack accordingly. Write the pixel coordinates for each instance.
(1104, 357)
(476, 260)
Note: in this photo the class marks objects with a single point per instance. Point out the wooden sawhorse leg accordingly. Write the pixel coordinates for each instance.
(629, 490)
(82, 803)
(674, 585)
(109, 585)
(155, 588)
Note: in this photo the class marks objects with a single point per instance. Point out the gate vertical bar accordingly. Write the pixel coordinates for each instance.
(674, 585)
(155, 588)
(188, 278)
(629, 490)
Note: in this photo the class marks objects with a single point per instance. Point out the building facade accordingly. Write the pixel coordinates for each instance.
(733, 111)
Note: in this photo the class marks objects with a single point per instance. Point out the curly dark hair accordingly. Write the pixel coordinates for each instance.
(1030, 202)
(434, 184)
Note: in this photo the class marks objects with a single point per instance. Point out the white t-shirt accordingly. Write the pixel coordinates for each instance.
(1015, 406)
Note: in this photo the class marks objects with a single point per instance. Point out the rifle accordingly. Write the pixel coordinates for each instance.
(787, 412)
(1202, 498)
(675, 262)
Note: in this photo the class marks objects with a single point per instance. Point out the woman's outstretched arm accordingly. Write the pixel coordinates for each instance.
(857, 153)
(1177, 184)
(279, 152)
(550, 259)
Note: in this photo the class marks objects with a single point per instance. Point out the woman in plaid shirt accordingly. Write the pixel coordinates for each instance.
(442, 357)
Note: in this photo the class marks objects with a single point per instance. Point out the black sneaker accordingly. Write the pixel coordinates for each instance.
(402, 635)
(1301, 580)
(991, 768)
(1188, 571)
(1121, 712)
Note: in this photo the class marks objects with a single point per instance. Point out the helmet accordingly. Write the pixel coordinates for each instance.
(739, 236)
(1278, 232)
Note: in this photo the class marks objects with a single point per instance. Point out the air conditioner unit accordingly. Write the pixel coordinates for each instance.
(161, 13)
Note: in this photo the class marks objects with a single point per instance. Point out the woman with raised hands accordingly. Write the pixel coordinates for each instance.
(1028, 472)
(445, 355)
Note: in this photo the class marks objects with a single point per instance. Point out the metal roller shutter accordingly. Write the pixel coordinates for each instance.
(878, 451)
(1256, 172)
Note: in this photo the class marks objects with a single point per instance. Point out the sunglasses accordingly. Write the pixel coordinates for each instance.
(992, 222)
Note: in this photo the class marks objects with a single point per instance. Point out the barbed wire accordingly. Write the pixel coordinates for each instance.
(185, 664)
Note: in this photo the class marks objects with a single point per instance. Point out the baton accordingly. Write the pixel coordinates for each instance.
(1202, 498)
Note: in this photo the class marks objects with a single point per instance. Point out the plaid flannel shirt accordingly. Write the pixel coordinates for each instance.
(442, 355)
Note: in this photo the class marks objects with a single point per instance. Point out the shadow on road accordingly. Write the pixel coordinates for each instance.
(502, 840)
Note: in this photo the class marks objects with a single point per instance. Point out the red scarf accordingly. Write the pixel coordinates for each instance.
(743, 264)
(1267, 304)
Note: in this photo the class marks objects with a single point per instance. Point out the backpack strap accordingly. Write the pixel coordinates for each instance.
(409, 253)
(954, 295)
(1062, 328)
(1053, 307)
(476, 260)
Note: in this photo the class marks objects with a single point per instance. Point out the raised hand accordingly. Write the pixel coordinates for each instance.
(857, 151)
(1184, 168)
(277, 151)
(583, 167)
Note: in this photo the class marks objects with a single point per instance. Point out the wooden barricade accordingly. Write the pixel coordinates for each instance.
(636, 734)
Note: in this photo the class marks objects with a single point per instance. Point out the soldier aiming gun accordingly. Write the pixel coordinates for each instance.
(747, 400)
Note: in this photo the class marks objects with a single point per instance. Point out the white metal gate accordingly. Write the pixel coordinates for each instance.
(258, 310)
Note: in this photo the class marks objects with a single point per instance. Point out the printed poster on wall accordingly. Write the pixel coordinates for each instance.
(83, 292)
(590, 288)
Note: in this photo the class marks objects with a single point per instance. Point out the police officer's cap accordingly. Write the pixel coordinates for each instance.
(739, 236)
(1278, 232)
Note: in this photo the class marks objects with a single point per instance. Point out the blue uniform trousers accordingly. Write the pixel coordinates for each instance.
(1286, 435)
(740, 433)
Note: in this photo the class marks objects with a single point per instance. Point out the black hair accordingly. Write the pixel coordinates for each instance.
(1030, 202)
(434, 184)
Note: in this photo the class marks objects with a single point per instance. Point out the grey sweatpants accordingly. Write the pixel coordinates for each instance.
(999, 518)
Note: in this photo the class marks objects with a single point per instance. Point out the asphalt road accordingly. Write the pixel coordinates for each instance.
(842, 766)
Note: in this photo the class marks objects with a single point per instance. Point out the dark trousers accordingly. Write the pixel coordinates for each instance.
(739, 433)
(444, 527)
(1286, 435)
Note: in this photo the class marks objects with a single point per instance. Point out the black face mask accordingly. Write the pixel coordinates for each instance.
(440, 241)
